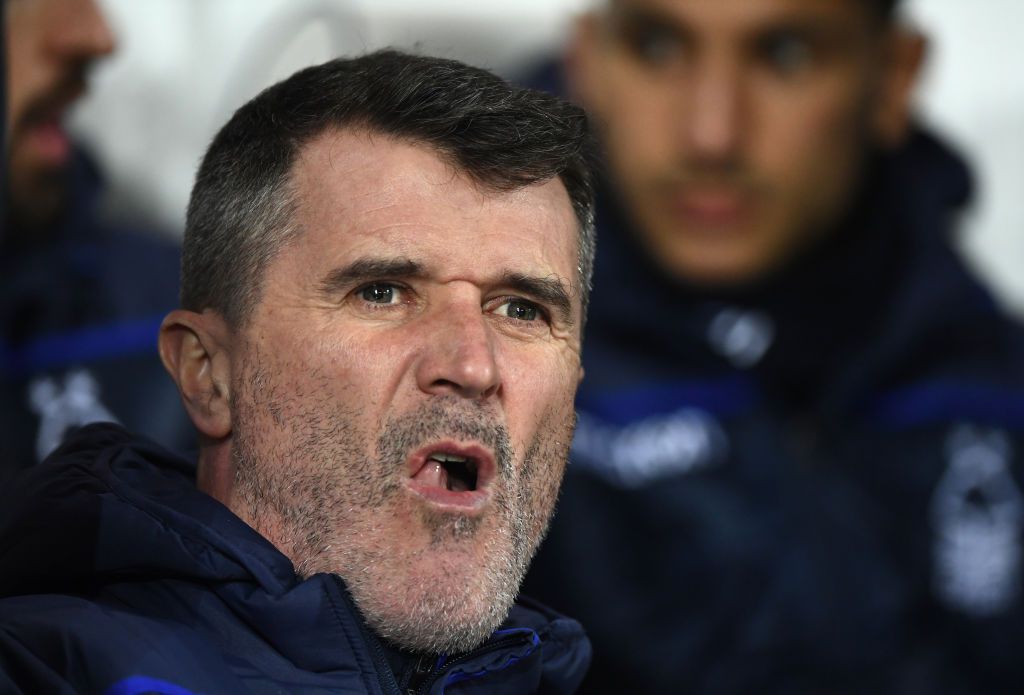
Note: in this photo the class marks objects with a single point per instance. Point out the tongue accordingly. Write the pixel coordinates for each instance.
(433, 474)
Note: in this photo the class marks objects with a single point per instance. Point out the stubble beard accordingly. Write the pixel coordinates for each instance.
(38, 196)
(36, 200)
(327, 505)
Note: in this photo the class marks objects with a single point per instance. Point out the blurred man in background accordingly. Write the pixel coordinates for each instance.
(3, 112)
(797, 467)
(80, 299)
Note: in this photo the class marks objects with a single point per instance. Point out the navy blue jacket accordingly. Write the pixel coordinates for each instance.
(810, 485)
(80, 307)
(120, 577)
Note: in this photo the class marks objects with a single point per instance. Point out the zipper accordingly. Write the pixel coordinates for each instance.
(432, 678)
(424, 669)
(385, 677)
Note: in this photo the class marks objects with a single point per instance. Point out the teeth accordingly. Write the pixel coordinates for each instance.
(457, 473)
(447, 458)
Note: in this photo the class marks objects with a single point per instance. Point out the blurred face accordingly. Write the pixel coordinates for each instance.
(403, 395)
(736, 129)
(50, 45)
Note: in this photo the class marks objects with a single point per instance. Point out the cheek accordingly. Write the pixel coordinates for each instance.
(554, 438)
(545, 464)
(352, 355)
(540, 393)
(639, 118)
(809, 157)
(815, 140)
(297, 384)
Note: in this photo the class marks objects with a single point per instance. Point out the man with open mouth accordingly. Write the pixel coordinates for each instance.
(384, 280)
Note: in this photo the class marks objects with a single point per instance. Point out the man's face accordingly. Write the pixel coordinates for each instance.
(735, 129)
(403, 395)
(50, 45)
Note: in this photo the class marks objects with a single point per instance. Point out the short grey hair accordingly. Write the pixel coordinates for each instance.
(242, 209)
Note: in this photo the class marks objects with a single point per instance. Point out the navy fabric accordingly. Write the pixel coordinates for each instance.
(808, 485)
(118, 576)
(80, 305)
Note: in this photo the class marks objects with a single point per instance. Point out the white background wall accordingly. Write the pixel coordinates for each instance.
(974, 93)
(184, 65)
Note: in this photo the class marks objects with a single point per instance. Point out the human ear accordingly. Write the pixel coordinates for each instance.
(193, 348)
(903, 55)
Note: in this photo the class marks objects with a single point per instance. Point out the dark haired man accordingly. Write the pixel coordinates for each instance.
(379, 345)
(81, 295)
(797, 465)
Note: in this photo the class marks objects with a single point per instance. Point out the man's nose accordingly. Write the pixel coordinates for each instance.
(459, 354)
(713, 128)
(78, 30)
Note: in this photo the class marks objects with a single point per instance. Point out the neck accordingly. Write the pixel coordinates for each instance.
(215, 474)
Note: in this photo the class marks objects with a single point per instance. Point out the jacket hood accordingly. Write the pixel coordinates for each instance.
(888, 270)
(109, 512)
(107, 507)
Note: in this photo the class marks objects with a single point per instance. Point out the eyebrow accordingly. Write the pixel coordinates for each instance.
(545, 290)
(549, 290)
(823, 28)
(367, 269)
(630, 17)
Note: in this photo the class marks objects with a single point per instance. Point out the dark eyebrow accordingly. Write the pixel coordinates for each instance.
(367, 269)
(631, 19)
(825, 30)
(549, 290)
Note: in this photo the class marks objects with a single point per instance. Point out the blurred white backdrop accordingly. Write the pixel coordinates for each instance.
(184, 65)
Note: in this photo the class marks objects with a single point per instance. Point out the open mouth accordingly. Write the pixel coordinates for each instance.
(452, 475)
(457, 473)
(49, 142)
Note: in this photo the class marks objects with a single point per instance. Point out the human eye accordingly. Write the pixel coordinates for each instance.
(382, 293)
(520, 309)
(651, 42)
(786, 53)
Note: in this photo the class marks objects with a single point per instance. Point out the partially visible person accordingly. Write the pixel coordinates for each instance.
(383, 296)
(798, 461)
(3, 115)
(81, 297)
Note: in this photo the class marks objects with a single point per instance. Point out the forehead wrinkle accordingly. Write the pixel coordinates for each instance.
(335, 145)
(378, 209)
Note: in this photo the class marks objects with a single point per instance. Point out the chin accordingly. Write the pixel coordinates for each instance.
(445, 592)
(715, 271)
(39, 206)
(439, 611)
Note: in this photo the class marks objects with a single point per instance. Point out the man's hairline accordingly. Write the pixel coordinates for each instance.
(888, 17)
(291, 229)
